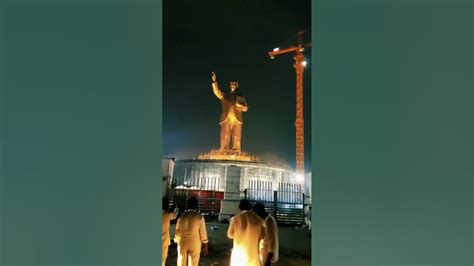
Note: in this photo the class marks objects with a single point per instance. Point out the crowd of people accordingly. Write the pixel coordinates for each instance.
(254, 233)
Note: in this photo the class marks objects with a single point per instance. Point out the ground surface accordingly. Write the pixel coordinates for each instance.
(295, 246)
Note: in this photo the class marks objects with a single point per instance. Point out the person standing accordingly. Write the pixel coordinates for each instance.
(246, 229)
(166, 218)
(191, 235)
(269, 245)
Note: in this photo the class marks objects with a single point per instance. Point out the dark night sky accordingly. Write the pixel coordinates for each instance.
(232, 38)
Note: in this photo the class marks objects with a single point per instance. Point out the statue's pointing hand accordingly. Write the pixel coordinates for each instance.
(214, 77)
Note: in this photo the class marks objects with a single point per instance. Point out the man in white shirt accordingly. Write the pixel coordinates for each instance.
(246, 229)
(190, 234)
(165, 228)
(269, 245)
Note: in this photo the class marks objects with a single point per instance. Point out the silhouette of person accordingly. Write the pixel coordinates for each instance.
(269, 245)
(191, 235)
(165, 228)
(246, 229)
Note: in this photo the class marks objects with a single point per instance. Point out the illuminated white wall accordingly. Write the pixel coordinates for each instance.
(210, 175)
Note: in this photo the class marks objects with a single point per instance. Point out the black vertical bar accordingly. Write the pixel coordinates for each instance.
(303, 206)
(275, 204)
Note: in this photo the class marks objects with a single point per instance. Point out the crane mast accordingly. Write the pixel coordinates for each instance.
(299, 66)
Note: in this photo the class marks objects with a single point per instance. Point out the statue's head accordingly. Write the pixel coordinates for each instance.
(233, 85)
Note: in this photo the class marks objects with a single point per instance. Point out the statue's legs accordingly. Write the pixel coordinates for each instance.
(225, 136)
(236, 136)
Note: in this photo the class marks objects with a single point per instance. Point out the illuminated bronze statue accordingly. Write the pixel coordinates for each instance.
(233, 104)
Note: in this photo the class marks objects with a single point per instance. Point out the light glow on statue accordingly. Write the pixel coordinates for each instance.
(231, 121)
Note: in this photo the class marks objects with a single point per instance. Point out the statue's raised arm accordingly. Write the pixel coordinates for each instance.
(215, 87)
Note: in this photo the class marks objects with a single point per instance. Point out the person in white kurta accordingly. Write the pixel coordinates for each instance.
(246, 229)
(269, 245)
(166, 217)
(190, 235)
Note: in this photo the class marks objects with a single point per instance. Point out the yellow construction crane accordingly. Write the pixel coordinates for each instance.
(299, 66)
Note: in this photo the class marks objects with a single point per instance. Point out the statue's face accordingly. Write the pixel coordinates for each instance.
(233, 85)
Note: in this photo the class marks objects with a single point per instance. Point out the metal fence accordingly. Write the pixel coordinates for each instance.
(285, 201)
(209, 201)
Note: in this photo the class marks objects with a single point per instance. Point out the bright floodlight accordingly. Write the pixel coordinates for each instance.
(299, 177)
(304, 63)
(276, 49)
